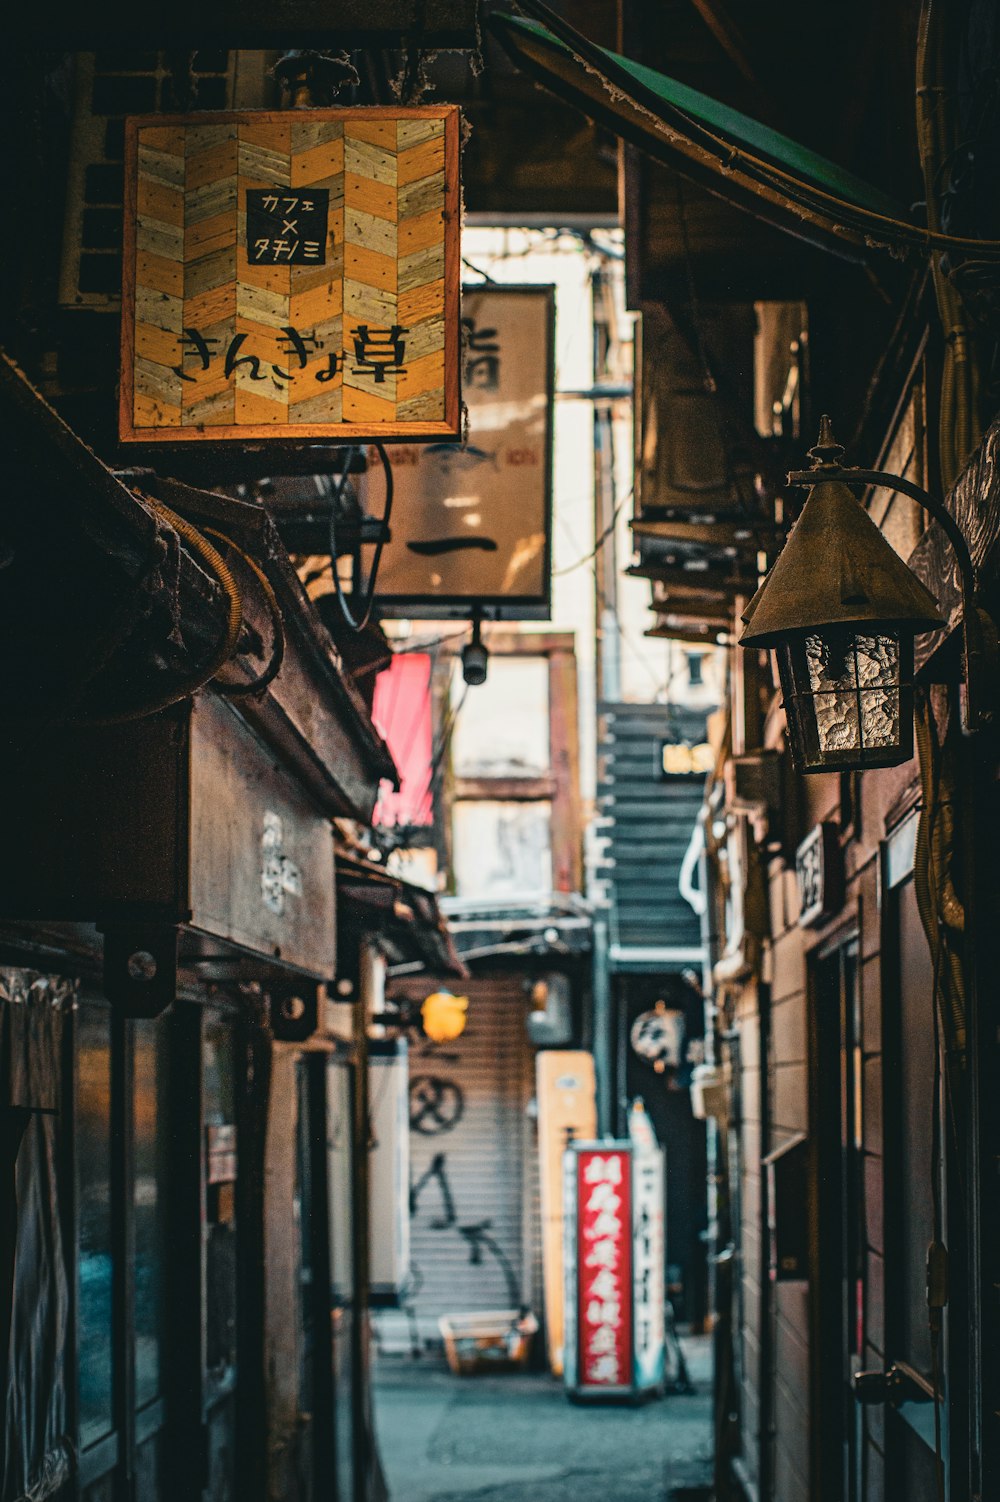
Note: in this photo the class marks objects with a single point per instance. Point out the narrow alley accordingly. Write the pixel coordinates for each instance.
(500, 755)
(515, 1439)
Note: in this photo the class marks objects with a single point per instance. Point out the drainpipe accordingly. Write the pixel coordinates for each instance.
(601, 989)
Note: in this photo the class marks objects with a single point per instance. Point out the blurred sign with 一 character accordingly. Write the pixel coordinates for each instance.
(472, 521)
(291, 275)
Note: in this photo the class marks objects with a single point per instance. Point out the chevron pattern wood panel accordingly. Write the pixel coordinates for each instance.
(292, 275)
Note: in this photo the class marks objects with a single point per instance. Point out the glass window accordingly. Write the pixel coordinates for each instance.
(503, 728)
(94, 1266)
(502, 849)
(151, 1073)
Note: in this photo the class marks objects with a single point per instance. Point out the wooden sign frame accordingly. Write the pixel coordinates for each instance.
(512, 483)
(160, 228)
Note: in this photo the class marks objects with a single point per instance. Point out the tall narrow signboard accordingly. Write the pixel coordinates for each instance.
(567, 1110)
(613, 1251)
(291, 275)
(598, 1361)
(472, 522)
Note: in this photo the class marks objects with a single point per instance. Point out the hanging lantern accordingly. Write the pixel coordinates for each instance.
(443, 1016)
(841, 609)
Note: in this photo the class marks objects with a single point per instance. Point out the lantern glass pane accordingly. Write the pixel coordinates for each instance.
(855, 678)
(848, 696)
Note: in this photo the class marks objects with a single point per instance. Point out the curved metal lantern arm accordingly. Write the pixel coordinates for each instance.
(979, 636)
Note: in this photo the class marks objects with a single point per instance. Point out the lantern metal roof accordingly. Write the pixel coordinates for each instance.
(836, 568)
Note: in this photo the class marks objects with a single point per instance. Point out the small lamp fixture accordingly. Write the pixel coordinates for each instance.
(444, 1016)
(841, 609)
(475, 658)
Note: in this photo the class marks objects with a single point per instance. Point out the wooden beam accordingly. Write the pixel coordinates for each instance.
(693, 632)
(723, 534)
(665, 594)
(505, 789)
(729, 37)
(705, 580)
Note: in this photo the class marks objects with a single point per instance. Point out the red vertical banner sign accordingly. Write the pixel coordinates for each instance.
(604, 1270)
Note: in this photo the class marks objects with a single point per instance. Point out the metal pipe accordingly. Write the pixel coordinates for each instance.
(601, 1041)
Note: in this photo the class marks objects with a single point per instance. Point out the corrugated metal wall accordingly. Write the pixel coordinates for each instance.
(468, 1109)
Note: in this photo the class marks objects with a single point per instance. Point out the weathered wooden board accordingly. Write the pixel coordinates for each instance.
(291, 275)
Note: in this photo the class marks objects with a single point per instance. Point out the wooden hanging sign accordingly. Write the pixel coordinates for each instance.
(291, 275)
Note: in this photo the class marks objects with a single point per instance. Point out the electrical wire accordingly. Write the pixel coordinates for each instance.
(226, 646)
(559, 573)
(273, 668)
(837, 214)
(358, 624)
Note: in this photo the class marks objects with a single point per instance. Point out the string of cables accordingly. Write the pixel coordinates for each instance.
(367, 594)
(837, 215)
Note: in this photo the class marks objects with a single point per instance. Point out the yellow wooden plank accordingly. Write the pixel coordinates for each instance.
(368, 266)
(210, 235)
(306, 278)
(376, 132)
(218, 161)
(420, 233)
(167, 138)
(316, 305)
(210, 307)
(365, 406)
(371, 197)
(424, 160)
(421, 302)
(269, 135)
(150, 412)
(251, 408)
(161, 346)
(311, 168)
(160, 273)
(160, 201)
(426, 374)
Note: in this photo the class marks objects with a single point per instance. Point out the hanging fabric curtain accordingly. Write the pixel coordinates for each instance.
(748, 164)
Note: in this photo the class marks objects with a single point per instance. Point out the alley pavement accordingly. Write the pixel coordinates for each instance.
(518, 1439)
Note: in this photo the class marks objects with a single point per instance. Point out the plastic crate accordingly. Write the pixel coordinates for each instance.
(495, 1341)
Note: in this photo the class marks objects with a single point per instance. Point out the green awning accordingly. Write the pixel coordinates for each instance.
(746, 163)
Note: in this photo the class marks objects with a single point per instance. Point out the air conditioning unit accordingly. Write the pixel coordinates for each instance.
(108, 86)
